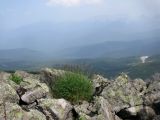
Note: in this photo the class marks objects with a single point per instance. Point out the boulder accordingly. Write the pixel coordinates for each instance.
(99, 83)
(49, 75)
(32, 89)
(146, 113)
(33, 95)
(83, 108)
(24, 74)
(99, 110)
(58, 109)
(83, 116)
(117, 99)
(105, 111)
(152, 95)
(11, 111)
(124, 93)
(8, 94)
(34, 115)
(117, 118)
(157, 117)
(30, 83)
(5, 78)
(137, 112)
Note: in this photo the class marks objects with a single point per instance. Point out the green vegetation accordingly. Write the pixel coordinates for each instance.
(82, 118)
(107, 67)
(74, 87)
(15, 78)
(133, 66)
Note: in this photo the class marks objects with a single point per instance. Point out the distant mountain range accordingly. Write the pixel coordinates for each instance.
(94, 58)
(113, 49)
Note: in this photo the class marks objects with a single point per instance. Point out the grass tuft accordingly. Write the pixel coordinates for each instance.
(15, 78)
(74, 87)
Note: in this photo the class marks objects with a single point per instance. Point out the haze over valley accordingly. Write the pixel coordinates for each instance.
(109, 36)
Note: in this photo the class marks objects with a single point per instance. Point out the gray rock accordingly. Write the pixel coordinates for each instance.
(34, 115)
(32, 89)
(31, 83)
(152, 93)
(146, 113)
(105, 111)
(83, 116)
(24, 74)
(58, 109)
(83, 108)
(117, 118)
(5, 78)
(123, 93)
(8, 94)
(11, 111)
(49, 75)
(118, 99)
(137, 112)
(33, 95)
(99, 83)
(157, 117)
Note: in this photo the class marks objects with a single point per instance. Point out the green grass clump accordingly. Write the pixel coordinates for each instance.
(15, 78)
(74, 87)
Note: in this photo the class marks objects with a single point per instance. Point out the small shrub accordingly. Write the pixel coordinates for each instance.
(74, 87)
(15, 78)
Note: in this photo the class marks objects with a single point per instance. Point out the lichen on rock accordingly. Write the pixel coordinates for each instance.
(119, 99)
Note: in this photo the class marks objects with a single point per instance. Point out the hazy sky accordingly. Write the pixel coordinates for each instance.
(40, 23)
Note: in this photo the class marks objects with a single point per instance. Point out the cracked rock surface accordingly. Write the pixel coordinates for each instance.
(118, 99)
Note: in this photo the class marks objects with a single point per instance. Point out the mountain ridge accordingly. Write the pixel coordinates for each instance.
(114, 49)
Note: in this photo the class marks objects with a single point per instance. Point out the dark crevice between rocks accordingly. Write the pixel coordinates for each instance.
(141, 115)
(75, 114)
(98, 90)
(22, 102)
(92, 113)
(148, 84)
(141, 90)
(26, 106)
(52, 114)
(21, 91)
(48, 117)
(156, 107)
(123, 114)
(40, 109)
(5, 114)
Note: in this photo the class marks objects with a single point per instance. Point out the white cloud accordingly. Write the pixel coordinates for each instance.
(70, 3)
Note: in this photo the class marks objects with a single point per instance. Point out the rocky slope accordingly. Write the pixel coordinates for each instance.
(119, 99)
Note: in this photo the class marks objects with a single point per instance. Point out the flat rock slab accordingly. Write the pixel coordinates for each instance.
(59, 109)
(31, 96)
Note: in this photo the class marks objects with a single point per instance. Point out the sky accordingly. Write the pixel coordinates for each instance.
(49, 24)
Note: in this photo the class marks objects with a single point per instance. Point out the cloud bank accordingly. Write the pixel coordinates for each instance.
(70, 3)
